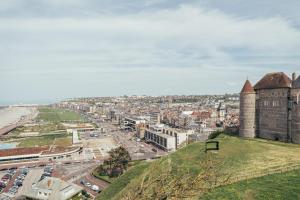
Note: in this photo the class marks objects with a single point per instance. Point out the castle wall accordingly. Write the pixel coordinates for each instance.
(247, 115)
(295, 93)
(272, 114)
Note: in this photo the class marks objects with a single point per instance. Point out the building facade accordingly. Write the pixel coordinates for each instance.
(166, 138)
(271, 108)
(131, 123)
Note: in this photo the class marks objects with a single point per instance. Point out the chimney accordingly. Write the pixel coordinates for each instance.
(294, 76)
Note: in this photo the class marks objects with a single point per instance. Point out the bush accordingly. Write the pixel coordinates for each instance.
(214, 134)
(101, 171)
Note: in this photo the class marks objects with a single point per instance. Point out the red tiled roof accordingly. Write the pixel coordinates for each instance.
(22, 151)
(247, 87)
(274, 80)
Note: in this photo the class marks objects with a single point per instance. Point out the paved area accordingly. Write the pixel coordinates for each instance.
(100, 145)
(137, 149)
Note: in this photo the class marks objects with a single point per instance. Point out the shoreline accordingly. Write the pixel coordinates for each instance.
(12, 117)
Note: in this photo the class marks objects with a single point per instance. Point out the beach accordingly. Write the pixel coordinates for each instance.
(12, 115)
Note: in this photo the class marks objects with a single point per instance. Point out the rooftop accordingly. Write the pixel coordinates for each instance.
(22, 151)
(59, 189)
(273, 81)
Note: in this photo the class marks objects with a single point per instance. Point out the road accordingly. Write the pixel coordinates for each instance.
(137, 150)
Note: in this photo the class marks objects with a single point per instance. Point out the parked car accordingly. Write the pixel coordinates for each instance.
(2, 184)
(83, 182)
(95, 188)
(88, 184)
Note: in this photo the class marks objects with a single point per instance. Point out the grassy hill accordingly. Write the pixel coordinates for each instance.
(190, 172)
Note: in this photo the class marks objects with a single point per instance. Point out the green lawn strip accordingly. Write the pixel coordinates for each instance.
(45, 140)
(58, 115)
(284, 186)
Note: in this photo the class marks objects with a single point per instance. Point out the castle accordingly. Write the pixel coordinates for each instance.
(271, 109)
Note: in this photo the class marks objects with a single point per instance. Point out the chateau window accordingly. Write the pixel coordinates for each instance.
(275, 103)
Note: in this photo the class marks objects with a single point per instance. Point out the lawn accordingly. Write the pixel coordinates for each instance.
(237, 160)
(285, 186)
(44, 140)
(58, 115)
(63, 142)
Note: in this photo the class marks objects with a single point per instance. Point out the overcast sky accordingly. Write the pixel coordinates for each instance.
(56, 49)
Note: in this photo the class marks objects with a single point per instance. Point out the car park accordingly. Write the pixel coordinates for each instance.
(18, 181)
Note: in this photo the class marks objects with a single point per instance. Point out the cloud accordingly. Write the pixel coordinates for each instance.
(181, 38)
(184, 33)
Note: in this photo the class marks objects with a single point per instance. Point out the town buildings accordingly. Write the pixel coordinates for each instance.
(200, 114)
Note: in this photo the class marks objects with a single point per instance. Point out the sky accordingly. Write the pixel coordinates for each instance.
(56, 49)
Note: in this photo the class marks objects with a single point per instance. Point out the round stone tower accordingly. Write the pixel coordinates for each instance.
(247, 111)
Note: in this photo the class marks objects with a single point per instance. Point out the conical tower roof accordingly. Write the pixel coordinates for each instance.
(247, 87)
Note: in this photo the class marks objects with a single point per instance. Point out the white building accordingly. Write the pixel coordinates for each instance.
(131, 123)
(51, 188)
(165, 137)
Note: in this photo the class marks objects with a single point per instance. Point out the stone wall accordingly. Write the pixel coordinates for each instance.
(295, 93)
(272, 114)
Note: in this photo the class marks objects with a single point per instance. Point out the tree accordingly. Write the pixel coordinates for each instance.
(119, 158)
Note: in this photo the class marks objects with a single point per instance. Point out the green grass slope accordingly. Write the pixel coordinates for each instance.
(284, 186)
(190, 172)
(122, 181)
